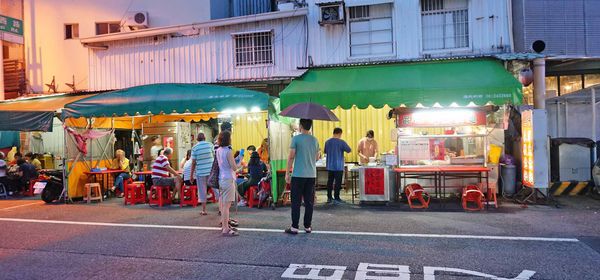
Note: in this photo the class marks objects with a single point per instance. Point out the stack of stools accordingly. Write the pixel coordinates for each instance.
(134, 193)
(160, 195)
(416, 192)
(189, 196)
(473, 194)
(252, 196)
(93, 192)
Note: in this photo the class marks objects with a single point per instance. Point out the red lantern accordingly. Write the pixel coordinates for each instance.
(526, 76)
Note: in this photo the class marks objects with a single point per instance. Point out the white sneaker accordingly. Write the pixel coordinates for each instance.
(242, 203)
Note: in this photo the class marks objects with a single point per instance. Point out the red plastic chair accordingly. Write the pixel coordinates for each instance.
(134, 193)
(160, 195)
(189, 196)
(252, 196)
(416, 192)
(473, 194)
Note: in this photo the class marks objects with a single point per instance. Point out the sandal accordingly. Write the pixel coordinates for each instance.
(291, 231)
(308, 229)
(234, 223)
(230, 233)
(203, 213)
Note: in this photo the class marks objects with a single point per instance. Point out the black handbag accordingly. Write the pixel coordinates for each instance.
(213, 178)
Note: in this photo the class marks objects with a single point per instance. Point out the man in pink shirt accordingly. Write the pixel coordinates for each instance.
(367, 147)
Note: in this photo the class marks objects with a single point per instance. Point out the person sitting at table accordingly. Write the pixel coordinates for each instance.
(25, 173)
(187, 169)
(256, 171)
(188, 155)
(156, 147)
(16, 158)
(161, 169)
(120, 162)
(32, 158)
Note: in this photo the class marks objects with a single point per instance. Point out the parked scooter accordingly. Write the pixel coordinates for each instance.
(54, 185)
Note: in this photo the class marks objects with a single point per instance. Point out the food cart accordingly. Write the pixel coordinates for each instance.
(429, 89)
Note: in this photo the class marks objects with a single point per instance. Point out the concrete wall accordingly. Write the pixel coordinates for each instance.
(48, 54)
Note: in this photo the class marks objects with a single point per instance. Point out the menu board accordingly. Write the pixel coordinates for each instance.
(414, 149)
(527, 129)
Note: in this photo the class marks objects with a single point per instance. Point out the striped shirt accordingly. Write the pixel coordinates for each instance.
(203, 154)
(159, 167)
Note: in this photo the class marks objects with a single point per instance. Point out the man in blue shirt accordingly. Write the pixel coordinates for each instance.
(335, 148)
(304, 151)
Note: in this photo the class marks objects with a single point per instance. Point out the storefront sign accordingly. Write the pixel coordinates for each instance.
(442, 118)
(11, 25)
(11, 29)
(527, 129)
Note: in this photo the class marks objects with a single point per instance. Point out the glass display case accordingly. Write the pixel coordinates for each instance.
(442, 136)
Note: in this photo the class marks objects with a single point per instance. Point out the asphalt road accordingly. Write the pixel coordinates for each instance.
(110, 241)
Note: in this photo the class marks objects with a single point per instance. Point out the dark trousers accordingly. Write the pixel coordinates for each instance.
(334, 178)
(302, 188)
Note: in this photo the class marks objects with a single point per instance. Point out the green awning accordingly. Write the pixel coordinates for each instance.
(168, 98)
(462, 81)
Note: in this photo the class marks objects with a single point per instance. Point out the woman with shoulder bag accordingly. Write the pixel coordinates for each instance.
(227, 176)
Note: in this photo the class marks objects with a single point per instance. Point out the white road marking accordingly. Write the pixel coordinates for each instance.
(353, 233)
(314, 272)
(429, 273)
(18, 206)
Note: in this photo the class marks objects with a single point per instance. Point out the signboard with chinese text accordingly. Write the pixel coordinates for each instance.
(442, 118)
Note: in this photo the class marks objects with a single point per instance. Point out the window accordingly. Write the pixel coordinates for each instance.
(107, 27)
(371, 30)
(445, 24)
(591, 80)
(552, 85)
(253, 48)
(570, 84)
(71, 31)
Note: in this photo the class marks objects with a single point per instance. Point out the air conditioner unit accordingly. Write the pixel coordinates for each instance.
(136, 20)
(331, 13)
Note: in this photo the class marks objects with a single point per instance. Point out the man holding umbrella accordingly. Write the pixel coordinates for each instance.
(304, 151)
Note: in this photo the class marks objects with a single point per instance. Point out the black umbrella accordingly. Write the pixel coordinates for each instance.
(310, 111)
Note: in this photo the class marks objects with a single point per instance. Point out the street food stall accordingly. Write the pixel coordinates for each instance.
(442, 112)
(154, 108)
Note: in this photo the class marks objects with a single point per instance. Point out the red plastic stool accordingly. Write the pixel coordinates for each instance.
(252, 196)
(416, 192)
(134, 193)
(160, 195)
(212, 198)
(472, 193)
(189, 196)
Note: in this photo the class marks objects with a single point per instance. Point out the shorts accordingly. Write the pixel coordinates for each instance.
(164, 181)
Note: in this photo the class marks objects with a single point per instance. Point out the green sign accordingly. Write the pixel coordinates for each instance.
(11, 25)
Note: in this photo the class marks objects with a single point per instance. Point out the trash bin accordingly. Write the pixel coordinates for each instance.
(509, 179)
